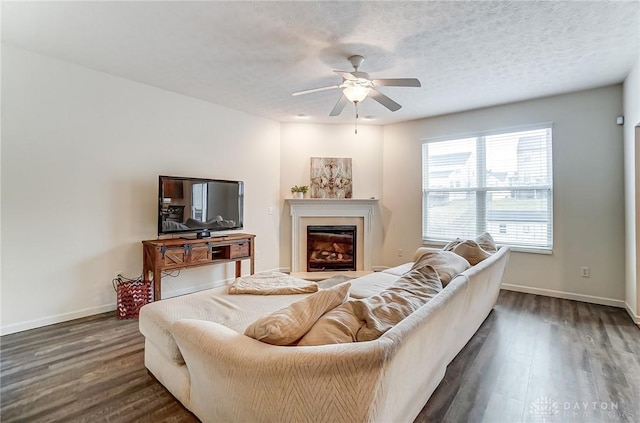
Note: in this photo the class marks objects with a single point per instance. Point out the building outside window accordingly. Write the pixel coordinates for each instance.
(500, 182)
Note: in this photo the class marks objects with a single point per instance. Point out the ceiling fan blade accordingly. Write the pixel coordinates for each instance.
(314, 90)
(346, 75)
(384, 100)
(397, 82)
(337, 109)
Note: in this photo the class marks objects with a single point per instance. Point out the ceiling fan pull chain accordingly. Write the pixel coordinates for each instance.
(356, 131)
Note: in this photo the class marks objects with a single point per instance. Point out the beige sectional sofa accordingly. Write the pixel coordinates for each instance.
(195, 346)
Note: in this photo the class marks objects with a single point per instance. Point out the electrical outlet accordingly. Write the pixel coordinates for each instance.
(400, 252)
(270, 210)
(585, 272)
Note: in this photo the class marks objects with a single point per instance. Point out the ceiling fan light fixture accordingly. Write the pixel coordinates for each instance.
(357, 85)
(356, 93)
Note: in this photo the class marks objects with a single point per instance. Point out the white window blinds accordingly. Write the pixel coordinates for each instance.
(498, 182)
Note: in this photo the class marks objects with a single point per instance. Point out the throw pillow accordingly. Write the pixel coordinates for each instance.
(485, 240)
(337, 326)
(289, 324)
(474, 251)
(381, 312)
(471, 251)
(421, 251)
(451, 245)
(447, 263)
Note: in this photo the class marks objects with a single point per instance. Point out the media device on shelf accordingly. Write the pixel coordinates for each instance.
(199, 205)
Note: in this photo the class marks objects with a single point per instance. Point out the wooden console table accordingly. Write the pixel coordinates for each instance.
(180, 253)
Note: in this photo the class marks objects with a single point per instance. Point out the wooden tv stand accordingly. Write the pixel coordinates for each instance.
(161, 255)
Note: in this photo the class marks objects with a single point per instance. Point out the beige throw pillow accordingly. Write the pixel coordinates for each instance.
(486, 242)
(471, 251)
(447, 263)
(286, 326)
(474, 251)
(337, 326)
(451, 245)
(382, 312)
(422, 251)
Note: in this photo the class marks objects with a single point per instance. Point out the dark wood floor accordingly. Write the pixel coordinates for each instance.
(535, 359)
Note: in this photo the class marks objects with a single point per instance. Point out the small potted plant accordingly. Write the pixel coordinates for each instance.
(299, 191)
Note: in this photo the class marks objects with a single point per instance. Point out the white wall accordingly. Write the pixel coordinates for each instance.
(300, 142)
(588, 190)
(631, 177)
(81, 154)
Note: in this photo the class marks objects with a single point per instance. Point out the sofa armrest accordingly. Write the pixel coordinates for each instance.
(236, 378)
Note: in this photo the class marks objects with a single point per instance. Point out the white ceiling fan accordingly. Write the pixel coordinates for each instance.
(356, 86)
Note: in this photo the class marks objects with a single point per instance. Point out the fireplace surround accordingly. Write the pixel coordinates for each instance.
(305, 212)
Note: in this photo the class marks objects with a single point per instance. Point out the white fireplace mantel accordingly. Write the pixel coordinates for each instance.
(330, 207)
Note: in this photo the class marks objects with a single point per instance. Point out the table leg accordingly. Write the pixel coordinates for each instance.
(157, 284)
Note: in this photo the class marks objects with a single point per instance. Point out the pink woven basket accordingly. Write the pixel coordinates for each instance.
(131, 296)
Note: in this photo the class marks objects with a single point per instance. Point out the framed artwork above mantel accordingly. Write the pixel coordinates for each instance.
(331, 177)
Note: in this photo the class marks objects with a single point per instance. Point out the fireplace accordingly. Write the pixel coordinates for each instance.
(331, 211)
(331, 247)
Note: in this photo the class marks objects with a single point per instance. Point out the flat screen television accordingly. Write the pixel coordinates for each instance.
(199, 205)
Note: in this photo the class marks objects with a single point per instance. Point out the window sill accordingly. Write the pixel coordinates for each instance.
(529, 250)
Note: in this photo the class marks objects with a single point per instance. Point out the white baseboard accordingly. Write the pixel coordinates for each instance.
(564, 295)
(58, 318)
(64, 317)
(634, 317)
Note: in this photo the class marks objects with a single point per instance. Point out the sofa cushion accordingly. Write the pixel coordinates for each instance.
(371, 284)
(381, 312)
(399, 270)
(337, 326)
(287, 325)
(447, 263)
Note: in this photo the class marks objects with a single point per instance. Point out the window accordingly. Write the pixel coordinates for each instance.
(499, 182)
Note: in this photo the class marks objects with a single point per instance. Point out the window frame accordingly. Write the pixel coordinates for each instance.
(482, 189)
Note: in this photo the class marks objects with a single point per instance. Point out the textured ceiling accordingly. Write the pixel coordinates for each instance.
(251, 56)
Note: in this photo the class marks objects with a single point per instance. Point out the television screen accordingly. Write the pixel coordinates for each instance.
(199, 205)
